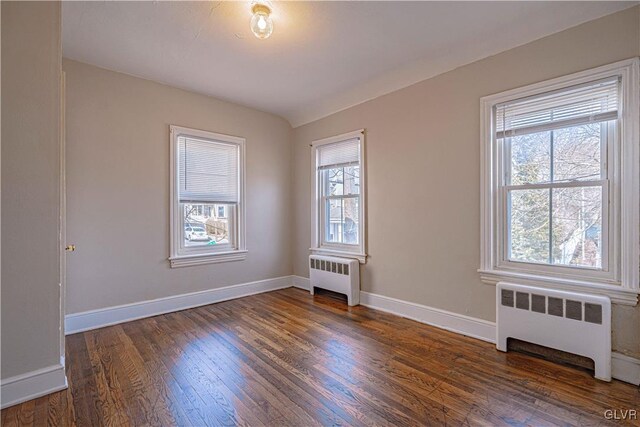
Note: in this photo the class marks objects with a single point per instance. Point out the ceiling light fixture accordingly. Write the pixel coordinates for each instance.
(261, 23)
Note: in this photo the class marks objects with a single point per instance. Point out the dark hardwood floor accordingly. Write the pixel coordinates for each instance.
(286, 358)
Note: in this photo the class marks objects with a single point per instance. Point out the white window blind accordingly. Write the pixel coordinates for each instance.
(591, 102)
(340, 154)
(208, 171)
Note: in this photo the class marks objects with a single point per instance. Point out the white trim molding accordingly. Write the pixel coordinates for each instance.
(362, 258)
(625, 368)
(621, 279)
(465, 325)
(31, 385)
(302, 283)
(189, 260)
(617, 293)
(359, 251)
(94, 319)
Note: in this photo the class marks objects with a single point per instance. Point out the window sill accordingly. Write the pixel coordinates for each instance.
(362, 258)
(200, 259)
(617, 293)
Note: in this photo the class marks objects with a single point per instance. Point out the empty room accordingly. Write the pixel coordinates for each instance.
(318, 213)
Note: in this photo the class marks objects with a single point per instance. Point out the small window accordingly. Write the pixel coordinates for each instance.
(338, 186)
(207, 223)
(560, 182)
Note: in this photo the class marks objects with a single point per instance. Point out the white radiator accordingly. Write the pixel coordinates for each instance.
(336, 274)
(569, 321)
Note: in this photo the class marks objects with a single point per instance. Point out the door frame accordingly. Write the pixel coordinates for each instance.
(63, 215)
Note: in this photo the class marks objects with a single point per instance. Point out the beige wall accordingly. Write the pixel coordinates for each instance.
(118, 189)
(423, 156)
(31, 61)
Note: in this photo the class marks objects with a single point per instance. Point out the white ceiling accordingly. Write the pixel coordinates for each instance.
(322, 57)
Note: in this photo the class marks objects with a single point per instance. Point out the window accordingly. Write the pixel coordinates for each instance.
(338, 188)
(207, 191)
(560, 183)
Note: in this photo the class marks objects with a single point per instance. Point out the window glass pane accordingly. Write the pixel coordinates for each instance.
(529, 225)
(334, 185)
(576, 153)
(333, 224)
(352, 180)
(207, 224)
(350, 220)
(577, 226)
(531, 158)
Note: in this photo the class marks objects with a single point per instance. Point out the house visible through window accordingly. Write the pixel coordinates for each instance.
(559, 194)
(338, 188)
(207, 211)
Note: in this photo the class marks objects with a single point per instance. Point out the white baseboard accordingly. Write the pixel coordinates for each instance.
(301, 282)
(461, 324)
(31, 385)
(624, 368)
(458, 323)
(79, 322)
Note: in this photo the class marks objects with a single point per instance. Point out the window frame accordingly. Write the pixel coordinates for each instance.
(620, 276)
(319, 245)
(180, 256)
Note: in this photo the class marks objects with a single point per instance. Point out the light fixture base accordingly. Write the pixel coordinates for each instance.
(261, 8)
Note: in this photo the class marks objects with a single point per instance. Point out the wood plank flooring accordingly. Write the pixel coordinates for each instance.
(285, 358)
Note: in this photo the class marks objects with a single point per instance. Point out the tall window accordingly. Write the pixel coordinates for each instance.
(207, 223)
(556, 175)
(560, 180)
(338, 188)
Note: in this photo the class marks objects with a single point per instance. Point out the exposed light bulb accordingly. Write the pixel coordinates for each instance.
(261, 23)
